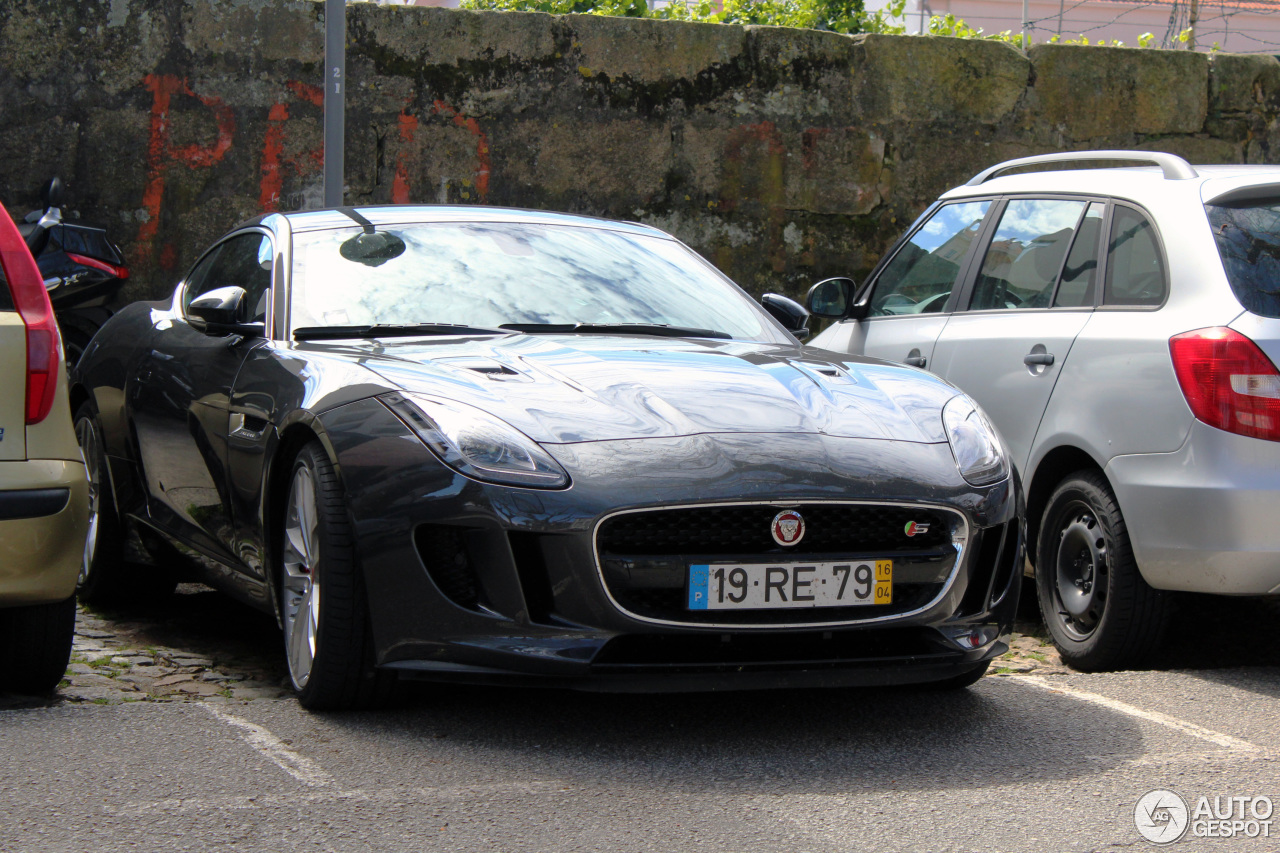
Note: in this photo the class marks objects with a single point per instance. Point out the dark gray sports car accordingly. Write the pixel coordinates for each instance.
(483, 444)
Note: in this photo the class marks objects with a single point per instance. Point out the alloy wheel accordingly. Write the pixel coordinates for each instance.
(91, 451)
(301, 580)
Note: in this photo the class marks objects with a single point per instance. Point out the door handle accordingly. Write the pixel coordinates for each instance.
(1045, 358)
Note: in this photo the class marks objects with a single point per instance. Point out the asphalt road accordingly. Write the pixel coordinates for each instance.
(1016, 763)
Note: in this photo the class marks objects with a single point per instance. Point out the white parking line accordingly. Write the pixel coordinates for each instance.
(1234, 744)
(273, 749)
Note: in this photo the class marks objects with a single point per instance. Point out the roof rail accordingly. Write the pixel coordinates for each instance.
(1173, 166)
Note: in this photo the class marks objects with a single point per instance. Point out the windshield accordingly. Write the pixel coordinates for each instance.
(490, 274)
(1248, 237)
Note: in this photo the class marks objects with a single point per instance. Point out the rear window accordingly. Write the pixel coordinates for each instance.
(1248, 238)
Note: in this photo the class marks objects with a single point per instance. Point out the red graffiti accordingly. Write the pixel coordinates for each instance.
(809, 147)
(161, 155)
(482, 144)
(400, 185)
(409, 128)
(273, 156)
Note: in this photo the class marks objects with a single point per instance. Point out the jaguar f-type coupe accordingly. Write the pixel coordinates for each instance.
(492, 445)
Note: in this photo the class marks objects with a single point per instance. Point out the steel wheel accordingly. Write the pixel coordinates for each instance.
(1098, 609)
(301, 582)
(1081, 572)
(91, 450)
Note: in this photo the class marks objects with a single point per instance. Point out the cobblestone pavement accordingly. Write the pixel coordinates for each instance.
(202, 646)
(198, 646)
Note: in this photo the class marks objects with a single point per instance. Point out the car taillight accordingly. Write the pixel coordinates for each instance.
(1228, 381)
(119, 272)
(32, 301)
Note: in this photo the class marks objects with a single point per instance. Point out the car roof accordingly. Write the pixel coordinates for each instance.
(391, 215)
(1134, 182)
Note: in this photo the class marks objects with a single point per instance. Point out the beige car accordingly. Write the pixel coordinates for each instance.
(44, 493)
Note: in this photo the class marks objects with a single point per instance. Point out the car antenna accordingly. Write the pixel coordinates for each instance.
(354, 215)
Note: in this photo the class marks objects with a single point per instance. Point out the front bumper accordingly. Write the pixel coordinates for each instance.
(44, 517)
(476, 582)
(1203, 518)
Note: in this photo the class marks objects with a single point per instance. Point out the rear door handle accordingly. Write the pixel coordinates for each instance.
(1045, 358)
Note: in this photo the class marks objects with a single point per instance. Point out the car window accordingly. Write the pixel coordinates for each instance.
(243, 261)
(1080, 273)
(489, 274)
(1026, 254)
(1248, 238)
(924, 271)
(1135, 265)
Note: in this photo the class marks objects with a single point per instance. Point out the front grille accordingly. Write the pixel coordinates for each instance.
(829, 529)
(644, 556)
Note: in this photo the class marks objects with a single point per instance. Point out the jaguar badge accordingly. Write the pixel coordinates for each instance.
(787, 527)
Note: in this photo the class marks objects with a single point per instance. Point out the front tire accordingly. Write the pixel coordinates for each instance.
(35, 646)
(106, 578)
(328, 642)
(1100, 612)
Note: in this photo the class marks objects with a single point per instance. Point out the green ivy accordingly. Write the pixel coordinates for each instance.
(839, 16)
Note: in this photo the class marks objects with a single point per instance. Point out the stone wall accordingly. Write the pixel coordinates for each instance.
(782, 155)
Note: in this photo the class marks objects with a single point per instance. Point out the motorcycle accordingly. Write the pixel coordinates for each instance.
(82, 269)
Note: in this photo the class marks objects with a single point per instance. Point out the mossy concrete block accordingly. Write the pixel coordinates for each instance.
(1197, 149)
(585, 164)
(652, 51)
(404, 39)
(1092, 92)
(256, 32)
(912, 79)
(1240, 83)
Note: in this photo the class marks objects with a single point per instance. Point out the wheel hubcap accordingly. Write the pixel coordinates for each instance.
(91, 451)
(1081, 571)
(301, 581)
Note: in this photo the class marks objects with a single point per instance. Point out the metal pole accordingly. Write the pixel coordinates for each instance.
(1026, 15)
(335, 96)
(1193, 18)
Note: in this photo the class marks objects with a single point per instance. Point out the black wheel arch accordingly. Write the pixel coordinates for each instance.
(1057, 465)
(296, 432)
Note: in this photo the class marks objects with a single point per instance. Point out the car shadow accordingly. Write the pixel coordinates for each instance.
(825, 742)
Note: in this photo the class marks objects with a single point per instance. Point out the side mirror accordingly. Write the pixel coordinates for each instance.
(788, 312)
(221, 311)
(831, 298)
(51, 193)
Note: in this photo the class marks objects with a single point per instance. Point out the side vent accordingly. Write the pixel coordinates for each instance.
(1006, 567)
(443, 551)
(990, 541)
(535, 582)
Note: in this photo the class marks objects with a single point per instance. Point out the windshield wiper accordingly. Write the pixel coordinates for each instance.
(389, 330)
(615, 329)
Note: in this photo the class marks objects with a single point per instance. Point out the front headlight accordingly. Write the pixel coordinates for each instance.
(974, 443)
(476, 443)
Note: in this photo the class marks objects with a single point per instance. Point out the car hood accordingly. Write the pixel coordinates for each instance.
(576, 388)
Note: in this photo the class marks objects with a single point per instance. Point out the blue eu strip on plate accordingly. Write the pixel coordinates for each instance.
(699, 579)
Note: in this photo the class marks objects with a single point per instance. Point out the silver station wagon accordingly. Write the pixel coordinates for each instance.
(1117, 315)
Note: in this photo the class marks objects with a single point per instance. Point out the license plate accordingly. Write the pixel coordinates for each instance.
(760, 586)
